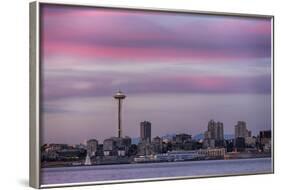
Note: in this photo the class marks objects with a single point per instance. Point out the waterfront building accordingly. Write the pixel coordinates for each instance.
(145, 148)
(81, 146)
(126, 143)
(157, 145)
(92, 147)
(182, 142)
(183, 138)
(196, 145)
(133, 150)
(213, 152)
(57, 147)
(250, 142)
(109, 145)
(265, 137)
(54, 152)
(49, 156)
(172, 156)
(121, 152)
(229, 145)
(265, 140)
(116, 146)
(118, 141)
(143, 159)
(99, 151)
(178, 156)
(70, 153)
(240, 144)
(145, 131)
(209, 143)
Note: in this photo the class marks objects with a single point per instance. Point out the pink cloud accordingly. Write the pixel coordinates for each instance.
(139, 53)
(118, 34)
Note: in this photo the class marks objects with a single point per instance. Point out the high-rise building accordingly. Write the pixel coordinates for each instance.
(145, 131)
(214, 136)
(212, 125)
(215, 130)
(241, 130)
(219, 132)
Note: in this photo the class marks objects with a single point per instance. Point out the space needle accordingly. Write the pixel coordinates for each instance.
(119, 96)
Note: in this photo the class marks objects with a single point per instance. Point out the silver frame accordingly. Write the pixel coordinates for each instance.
(34, 94)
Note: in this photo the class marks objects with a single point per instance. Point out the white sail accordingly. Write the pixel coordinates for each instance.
(88, 160)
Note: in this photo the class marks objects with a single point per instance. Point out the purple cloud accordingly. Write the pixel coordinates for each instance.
(198, 62)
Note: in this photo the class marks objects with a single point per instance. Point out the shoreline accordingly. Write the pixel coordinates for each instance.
(70, 164)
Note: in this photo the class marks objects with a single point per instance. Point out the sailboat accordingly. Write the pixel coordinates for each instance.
(88, 161)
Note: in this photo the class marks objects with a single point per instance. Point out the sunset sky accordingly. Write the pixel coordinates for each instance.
(177, 70)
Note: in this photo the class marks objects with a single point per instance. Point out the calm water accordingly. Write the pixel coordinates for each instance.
(153, 170)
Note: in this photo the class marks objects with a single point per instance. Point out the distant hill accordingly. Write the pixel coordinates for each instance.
(198, 137)
(201, 136)
(228, 136)
(169, 136)
(136, 140)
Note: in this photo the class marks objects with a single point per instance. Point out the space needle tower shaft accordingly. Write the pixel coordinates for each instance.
(119, 96)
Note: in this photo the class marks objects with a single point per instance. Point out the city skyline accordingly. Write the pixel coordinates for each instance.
(138, 138)
(174, 73)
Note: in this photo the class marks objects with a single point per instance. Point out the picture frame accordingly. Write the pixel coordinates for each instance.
(246, 68)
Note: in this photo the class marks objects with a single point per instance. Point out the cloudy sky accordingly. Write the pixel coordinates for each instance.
(177, 70)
